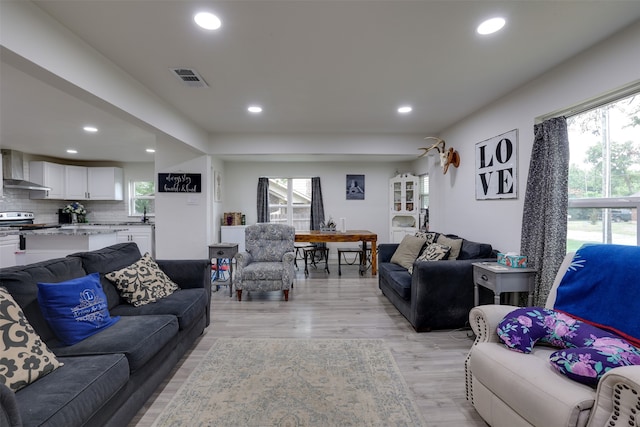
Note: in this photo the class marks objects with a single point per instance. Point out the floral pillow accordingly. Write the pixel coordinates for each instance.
(433, 252)
(142, 282)
(24, 357)
(588, 352)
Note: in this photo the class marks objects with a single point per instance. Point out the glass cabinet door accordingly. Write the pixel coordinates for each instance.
(397, 196)
(409, 196)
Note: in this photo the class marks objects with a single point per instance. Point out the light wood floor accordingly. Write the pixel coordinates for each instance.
(332, 306)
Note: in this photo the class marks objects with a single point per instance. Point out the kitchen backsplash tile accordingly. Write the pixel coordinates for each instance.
(46, 211)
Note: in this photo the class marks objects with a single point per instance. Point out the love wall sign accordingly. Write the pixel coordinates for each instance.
(497, 167)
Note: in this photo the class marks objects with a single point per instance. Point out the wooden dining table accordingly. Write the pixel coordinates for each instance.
(364, 236)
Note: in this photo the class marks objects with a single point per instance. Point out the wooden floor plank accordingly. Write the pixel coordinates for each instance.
(331, 306)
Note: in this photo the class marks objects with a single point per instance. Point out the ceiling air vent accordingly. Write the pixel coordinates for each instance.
(189, 77)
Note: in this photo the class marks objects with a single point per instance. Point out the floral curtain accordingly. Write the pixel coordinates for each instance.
(317, 206)
(263, 200)
(544, 218)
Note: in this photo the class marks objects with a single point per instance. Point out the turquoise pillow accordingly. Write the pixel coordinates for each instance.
(75, 309)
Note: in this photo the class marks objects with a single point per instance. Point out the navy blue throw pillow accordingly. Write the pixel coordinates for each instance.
(76, 308)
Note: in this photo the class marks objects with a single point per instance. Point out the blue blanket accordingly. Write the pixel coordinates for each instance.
(602, 287)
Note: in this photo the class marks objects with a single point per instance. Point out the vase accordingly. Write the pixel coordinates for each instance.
(74, 218)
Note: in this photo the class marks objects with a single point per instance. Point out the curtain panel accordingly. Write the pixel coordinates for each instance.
(544, 218)
(317, 205)
(263, 200)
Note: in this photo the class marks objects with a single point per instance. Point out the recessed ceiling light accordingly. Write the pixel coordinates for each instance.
(405, 109)
(491, 26)
(207, 20)
(90, 129)
(255, 109)
(72, 151)
(150, 150)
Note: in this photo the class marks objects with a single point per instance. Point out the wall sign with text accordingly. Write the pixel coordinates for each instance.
(497, 167)
(179, 182)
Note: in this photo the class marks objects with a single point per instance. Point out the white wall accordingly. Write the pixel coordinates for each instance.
(603, 68)
(241, 182)
(183, 220)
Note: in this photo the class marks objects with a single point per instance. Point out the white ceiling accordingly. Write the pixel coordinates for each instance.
(316, 66)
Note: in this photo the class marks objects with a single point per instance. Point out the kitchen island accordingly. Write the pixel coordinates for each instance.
(40, 245)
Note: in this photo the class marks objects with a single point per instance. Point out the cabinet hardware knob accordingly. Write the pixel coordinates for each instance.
(220, 252)
(484, 277)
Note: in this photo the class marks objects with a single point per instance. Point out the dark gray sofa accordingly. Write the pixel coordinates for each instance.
(439, 294)
(107, 377)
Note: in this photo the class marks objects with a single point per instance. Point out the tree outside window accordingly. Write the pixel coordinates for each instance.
(604, 174)
(142, 198)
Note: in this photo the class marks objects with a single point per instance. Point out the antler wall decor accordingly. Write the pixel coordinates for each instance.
(447, 157)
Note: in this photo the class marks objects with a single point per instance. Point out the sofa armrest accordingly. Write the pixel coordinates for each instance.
(9, 412)
(484, 320)
(386, 251)
(441, 293)
(617, 398)
(188, 274)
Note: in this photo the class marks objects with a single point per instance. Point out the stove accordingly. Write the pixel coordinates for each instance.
(18, 220)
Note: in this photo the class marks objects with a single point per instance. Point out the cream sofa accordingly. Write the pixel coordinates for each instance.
(511, 389)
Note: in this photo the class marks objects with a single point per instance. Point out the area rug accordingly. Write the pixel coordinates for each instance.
(294, 382)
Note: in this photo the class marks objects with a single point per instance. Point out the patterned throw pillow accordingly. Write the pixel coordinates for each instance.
(433, 252)
(142, 282)
(24, 357)
(588, 352)
(429, 236)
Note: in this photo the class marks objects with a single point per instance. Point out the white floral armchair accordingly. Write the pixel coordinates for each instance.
(268, 262)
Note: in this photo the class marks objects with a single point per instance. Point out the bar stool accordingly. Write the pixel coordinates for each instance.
(300, 247)
(312, 251)
(363, 266)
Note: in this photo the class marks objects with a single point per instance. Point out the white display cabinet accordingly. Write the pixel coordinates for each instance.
(405, 207)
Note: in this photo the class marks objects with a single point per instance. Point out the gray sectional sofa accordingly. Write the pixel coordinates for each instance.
(438, 294)
(107, 377)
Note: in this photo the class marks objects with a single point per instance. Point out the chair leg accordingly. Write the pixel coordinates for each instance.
(286, 294)
(239, 292)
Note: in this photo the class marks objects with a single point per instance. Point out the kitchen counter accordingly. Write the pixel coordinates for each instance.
(59, 231)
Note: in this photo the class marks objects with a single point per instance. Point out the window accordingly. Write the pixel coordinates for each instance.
(604, 174)
(290, 202)
(141, 198)
(424, 201)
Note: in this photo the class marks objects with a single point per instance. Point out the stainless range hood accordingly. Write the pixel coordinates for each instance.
(13, 172)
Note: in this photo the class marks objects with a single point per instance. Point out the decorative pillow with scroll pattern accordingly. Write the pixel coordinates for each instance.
(429, 236)
(433, 252)
(588, 351)
(142, 282)
(23, 357)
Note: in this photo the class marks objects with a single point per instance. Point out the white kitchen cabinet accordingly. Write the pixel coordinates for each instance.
(9, 246)
(105, 183)
(50, 175)
(75, 181)
(403, 194)
(142, 235)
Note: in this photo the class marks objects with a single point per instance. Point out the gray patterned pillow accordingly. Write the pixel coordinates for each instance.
(142, 282)
(24, 357)
(433, 252)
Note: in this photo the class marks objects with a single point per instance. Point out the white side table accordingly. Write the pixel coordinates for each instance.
(500, 278)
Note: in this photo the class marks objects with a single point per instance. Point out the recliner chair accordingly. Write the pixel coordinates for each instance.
(268, 261)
